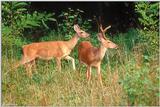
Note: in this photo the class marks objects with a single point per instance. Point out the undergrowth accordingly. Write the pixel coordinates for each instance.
(130, 77)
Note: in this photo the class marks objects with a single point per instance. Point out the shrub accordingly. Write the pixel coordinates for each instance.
(69, 18)
(148, 17)
(140, 84)
(16, 19)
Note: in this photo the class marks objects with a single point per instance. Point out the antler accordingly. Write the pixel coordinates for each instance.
(104, 29)
(107, 28)
(100, 27)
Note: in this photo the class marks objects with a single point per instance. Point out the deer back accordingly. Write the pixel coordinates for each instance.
(48, 50)
(88, 54)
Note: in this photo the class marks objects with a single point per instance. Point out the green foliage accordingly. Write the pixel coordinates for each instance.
(69, 18)
(148, 17)
(127, 40)
(52, 35)
(139, 85)
(10, 43)
(151, 38)
(16, 19)
(136, 81)
(138, 67)
(148, 12)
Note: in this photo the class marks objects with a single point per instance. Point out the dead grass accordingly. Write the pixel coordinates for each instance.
(70, 88)
(50, 87)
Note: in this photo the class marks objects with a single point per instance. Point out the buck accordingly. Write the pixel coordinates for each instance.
(51, 49)
(92, 56)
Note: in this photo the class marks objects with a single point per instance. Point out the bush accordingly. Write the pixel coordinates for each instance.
(135, 81)
(16, 19)
(148, 17)
(69, 18)
(16, 16)
(138, 68)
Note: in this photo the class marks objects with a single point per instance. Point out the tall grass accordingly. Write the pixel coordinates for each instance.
(130, 77)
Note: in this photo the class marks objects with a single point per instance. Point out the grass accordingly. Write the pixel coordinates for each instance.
(130, 77)
(50, 87)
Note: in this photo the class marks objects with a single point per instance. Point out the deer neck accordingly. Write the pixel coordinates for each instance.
(73, 41)
(102, 51)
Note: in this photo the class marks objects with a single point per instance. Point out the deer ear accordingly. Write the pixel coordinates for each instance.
(76, 28)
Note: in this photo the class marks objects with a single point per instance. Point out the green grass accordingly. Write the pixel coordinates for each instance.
(130, 77)
(50, 87)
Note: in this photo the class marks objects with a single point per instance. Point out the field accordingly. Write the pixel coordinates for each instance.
(130, 77)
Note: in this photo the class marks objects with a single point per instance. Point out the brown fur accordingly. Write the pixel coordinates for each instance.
(87, 53)
(52, 49)
(92, 56)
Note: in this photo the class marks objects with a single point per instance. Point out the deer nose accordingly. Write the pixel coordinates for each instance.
(87, 36)
(116, 47)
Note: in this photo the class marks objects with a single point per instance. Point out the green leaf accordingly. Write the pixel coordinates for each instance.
(6, 30)
(49, 15)
(19, 4)
(65, 14)
(21, 10)
(71, 17)
(154, 6)
(44, 24)
(52, 19)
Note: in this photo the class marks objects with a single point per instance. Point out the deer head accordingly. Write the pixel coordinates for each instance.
(80, 32)
(105, 41)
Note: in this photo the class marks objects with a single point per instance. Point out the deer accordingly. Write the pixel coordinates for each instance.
(51, 49)
(92, 56)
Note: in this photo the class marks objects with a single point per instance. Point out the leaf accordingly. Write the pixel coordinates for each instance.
(61, 15)
(49, 15)
(44, 24)
(89, 20)
(71, 17)
(6, 30)
(154, 6)
(19, 4)
(65, 14)
(81, 11)
(52, 19)
(21, 10)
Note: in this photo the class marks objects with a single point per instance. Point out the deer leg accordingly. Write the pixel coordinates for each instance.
(73, 61)
(99, 74)
(58, 60)
(33, 64)
(88, 73)
(28, 69)
(27, 61)
(24, 60)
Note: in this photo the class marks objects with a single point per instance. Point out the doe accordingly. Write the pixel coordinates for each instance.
(51, 49)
